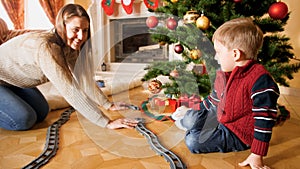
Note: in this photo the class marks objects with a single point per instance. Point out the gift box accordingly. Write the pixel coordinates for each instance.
(190, 102)
(194, 102)
(183, 101)
(165, 105)
(171, 106)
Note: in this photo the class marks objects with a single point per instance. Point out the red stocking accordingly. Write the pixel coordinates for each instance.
(152, 4)
(127, 5)
(108, 6)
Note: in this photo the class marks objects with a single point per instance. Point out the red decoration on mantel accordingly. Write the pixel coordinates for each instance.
(152, 4)
(127, 5)
(108, 6)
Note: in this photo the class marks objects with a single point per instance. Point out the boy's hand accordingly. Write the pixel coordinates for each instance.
(255, 161)
(180, 112)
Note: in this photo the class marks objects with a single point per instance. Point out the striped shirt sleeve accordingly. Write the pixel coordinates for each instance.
(264, 94)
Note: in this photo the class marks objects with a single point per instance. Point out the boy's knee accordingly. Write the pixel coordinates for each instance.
(192, 142)
(189, 119)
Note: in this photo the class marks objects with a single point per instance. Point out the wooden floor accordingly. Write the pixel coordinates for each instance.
(85, 146)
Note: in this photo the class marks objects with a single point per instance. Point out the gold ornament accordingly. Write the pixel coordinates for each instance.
(195, 54)
(190, 17)
(174, 1)
(155, 86)
(203, 22)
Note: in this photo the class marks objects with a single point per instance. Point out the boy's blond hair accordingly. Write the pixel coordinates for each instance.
(242, 34)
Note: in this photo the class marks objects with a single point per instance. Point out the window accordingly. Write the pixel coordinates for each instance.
(35, 17)
(5, 17)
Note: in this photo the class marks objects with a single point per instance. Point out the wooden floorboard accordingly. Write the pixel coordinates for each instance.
(78, 150)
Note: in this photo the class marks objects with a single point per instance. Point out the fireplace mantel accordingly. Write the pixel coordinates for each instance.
(102, 30)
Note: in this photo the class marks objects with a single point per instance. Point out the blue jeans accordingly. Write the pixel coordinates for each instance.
(205, 134)
(21, 108)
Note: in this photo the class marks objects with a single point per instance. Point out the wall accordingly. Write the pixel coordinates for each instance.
(292, 27)
(83, 3)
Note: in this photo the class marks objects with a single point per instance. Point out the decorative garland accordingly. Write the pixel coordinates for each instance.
(108, 5)
(127, 5)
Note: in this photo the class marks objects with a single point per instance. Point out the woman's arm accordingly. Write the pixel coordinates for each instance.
(67, 87)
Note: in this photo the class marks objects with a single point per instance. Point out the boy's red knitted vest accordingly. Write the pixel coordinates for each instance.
(235, 107)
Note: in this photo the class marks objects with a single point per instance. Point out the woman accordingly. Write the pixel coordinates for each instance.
(31, 59)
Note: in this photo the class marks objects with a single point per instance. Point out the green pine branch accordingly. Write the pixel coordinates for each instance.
(275, 54)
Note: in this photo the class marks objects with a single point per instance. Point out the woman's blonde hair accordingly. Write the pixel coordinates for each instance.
(242, 34)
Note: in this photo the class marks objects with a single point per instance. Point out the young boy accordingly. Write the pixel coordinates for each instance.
(241, 110)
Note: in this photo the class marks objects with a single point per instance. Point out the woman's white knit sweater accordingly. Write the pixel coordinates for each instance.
(25, 61)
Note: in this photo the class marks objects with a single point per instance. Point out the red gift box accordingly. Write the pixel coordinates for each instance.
(183, 101)
(190, 102)
(194, 102)
(166, 105)
(172, 105)
(159, 101)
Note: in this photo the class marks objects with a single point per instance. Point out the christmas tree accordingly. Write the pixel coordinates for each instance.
(190, 24)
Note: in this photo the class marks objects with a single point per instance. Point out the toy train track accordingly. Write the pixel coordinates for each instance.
(173, 159)
(52, 141)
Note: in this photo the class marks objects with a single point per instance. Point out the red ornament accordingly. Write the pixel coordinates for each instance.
(278, 10)
(199, 69)
(171, 23)
(152, 21)
(237, 1)
(178, 48)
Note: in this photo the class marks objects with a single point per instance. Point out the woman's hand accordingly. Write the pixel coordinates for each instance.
(118, 106)
(122, 123)
(255, 161)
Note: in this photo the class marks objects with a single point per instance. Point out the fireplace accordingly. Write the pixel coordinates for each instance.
(123, 37)
(132, 42)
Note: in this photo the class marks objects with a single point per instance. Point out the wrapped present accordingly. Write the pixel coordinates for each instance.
(171, 106)
(159, 101)
(194, 102)
(183, 101)
(190, 102)
(165, 105)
